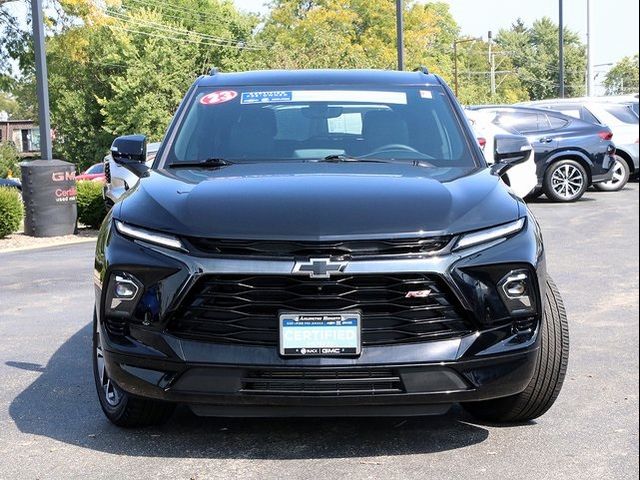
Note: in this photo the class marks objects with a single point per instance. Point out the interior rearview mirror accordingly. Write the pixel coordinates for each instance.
(130, 151)
(509, 151)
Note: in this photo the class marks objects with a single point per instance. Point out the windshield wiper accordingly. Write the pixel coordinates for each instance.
(208, 163)
(348, 159)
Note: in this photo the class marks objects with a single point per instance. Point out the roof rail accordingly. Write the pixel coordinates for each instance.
(214, 71)
(422, 69)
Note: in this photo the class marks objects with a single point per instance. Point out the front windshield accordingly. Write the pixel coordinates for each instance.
(315, 123)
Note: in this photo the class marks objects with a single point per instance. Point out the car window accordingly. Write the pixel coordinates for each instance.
(289, 123)
(96, 169)
(524, 122)
(623, 113)
(587, 116)
(556, 122)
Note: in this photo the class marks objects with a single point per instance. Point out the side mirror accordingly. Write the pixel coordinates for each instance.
(509, 151)
(130, 151)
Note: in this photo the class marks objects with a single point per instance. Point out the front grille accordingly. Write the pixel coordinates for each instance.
(244, 310)
(289, 249)
(322, 382)
(107, 171)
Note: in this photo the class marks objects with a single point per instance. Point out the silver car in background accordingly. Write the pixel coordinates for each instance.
(118, 179)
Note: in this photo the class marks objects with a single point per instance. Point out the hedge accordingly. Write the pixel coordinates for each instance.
(91, 208)
(11, 211)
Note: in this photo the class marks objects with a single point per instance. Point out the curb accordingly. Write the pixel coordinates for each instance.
(50, 245)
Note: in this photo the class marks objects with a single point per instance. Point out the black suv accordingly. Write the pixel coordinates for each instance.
(570, 154)
(324, 243)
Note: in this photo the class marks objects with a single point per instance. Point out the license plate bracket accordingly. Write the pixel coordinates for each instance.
(320, 334)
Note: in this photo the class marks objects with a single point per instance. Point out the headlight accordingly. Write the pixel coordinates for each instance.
(150, 236)
(489, 235)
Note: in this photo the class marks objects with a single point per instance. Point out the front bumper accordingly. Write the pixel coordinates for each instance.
(227, 389)
(220, 380)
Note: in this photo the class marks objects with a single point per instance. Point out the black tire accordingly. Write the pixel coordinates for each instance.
(123, 409)
(574, 172)
(548, 376)
(621, 175)
(536, 194)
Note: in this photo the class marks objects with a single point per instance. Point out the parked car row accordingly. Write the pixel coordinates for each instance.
(578, 143)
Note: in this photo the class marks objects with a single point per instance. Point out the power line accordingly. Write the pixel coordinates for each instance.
(174, 39)
(210, 40)
(200, 15)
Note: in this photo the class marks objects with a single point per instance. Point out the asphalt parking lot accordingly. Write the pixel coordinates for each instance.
(51, 425)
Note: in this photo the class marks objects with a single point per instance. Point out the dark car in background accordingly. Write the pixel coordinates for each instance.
(570, 154)
(617, 113)
(323, 243)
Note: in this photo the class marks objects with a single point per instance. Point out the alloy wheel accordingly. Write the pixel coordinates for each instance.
(619, 174)
(567, 181)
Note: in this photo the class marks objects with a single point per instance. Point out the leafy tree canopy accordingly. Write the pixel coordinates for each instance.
(622, 79)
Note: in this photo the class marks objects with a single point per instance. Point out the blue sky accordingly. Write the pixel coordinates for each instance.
(615, 22)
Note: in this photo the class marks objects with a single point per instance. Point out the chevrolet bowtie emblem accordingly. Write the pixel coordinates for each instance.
(319, 268)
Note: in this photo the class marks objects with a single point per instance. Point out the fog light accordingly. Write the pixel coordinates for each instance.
(125, 289)
(516, 287)
(516, 292)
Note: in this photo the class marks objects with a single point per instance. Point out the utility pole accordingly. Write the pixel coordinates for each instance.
(590, 79)
(561, 48)
(41, 79)
(400, 32)
(492, 63)
(455, 60)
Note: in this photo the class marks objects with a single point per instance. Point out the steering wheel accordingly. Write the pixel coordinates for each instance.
(409, 152)
(395, 147)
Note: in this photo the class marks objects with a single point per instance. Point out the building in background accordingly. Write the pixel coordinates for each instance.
(24, 134)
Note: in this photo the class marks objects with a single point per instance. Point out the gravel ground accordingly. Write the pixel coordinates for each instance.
(20, 241)
(51, 425)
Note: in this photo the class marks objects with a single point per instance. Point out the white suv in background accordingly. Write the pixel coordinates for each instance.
(118, 179)
(617, 113)
(523, 178)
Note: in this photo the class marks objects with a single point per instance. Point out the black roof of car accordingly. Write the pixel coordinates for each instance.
(318, 77)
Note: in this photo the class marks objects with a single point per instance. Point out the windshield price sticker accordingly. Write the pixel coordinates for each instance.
(216, 98)
(250, 98)
(351, 96)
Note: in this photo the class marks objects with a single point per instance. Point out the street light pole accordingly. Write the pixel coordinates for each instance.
(561, 48)
(400, 32)
(590, 82)
(41, 80)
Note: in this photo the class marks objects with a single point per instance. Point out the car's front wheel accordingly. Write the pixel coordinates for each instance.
(548, 376)
(565, 181)
(621, 175)
(121, 408)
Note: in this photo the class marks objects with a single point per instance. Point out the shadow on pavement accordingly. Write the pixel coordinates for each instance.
(61, 405)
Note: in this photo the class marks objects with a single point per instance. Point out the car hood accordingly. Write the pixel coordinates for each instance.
(318, 201)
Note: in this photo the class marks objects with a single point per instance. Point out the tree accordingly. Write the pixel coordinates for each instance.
(124, 69)
(357, 34)
(623, 77)
(535, 57)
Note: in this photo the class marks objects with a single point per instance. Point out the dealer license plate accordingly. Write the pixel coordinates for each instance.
(320, 334)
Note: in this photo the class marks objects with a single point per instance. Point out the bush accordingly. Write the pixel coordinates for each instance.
(91, 208)
(9, 160)
(11, 211)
